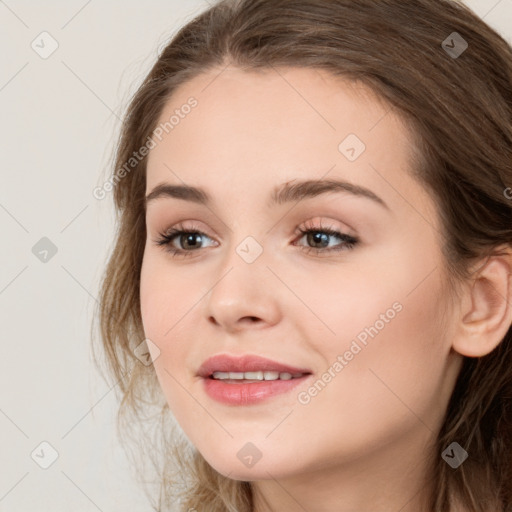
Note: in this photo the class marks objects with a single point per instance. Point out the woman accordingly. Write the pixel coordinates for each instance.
(314, 252)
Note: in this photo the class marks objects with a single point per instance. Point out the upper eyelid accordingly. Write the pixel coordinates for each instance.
(317, 222)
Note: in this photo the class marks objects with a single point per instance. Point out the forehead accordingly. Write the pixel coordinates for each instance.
(252, 129)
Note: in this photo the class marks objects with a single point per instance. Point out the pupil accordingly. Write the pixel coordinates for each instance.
(191, 238)
(317, 237)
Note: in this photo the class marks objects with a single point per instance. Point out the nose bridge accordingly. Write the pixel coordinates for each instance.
(247, 238)
(242, 289)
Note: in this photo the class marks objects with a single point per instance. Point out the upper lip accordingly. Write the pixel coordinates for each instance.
(245, 363)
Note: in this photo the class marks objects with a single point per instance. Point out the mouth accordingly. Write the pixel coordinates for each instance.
(248, 379)
(258, 376)
(248, 367)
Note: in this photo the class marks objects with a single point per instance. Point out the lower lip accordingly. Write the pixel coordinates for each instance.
(248, 392)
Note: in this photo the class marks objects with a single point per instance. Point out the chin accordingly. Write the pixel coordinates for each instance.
(263, 469)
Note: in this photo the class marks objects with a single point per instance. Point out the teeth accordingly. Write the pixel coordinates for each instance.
(269, 375)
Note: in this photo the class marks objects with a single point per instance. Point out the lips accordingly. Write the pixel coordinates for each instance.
(246, 363)
(229, 387)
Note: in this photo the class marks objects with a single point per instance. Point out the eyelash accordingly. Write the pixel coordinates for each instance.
(348, 241)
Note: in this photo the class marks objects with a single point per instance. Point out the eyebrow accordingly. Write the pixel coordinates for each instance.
(285, 193)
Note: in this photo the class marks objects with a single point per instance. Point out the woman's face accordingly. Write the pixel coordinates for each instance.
(364, 320)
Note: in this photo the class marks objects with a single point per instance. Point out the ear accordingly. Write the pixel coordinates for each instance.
(486, 307)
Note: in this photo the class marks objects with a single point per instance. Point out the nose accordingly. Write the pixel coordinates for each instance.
(244, 295)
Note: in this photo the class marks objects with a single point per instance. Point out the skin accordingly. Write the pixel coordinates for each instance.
(362, 443)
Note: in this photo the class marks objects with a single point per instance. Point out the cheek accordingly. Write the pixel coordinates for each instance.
(168, 299)
(393, 362)
(151, 297)
(386, 320)
(340, 304)
(390, 307)
(388, 388)
(166, 296)
(160, 302)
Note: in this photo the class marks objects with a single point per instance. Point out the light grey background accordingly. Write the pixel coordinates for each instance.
(59, 119)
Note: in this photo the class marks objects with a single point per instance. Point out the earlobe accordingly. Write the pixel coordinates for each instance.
(486, 315)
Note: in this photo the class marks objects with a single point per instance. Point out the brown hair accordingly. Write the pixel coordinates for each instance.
(459, 109)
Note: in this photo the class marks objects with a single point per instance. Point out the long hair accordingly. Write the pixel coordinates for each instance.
(458, 106)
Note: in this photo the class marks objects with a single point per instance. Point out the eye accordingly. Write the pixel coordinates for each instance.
(190, 240)
(318, 236)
